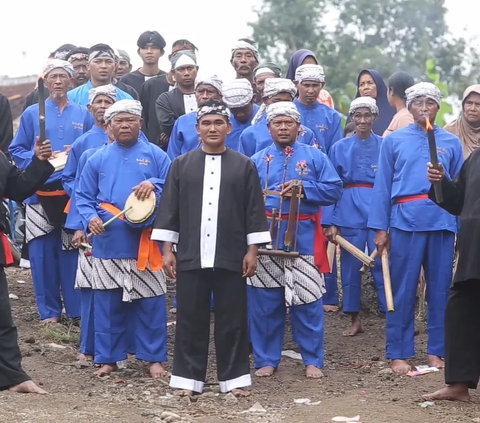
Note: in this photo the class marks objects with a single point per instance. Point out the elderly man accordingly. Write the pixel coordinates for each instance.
(282, 282)
(78, 57)
(217, 239)
(102, 63)
(355, 159)
(151, 47)
(257, 137)
(415, 231)
(239, 97)
(261, 73)
(175, 103)
(244, 58)
(184, 136)
(100, 99)
(467, 126)
(124, 65)
(53, 263)
(126, 266)
(324, 121)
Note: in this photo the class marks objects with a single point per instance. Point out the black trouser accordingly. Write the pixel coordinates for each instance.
(193, 329)
(462, 334)
(11, 372)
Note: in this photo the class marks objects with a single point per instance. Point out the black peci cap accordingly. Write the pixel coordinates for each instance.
(151, 37)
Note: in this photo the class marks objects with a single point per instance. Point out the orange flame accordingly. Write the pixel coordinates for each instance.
(428, 125)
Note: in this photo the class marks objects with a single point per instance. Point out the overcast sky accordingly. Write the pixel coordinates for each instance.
(31, 29)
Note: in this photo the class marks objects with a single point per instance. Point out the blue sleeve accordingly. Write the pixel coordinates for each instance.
(87, 190)
(327, 188)
(456, 162)
(70, 171)
(381, 205)
(337, 133)
(328, 211)
(163, 165)
(88, 122)
(175, 142)
(21, 148)
(247, 140)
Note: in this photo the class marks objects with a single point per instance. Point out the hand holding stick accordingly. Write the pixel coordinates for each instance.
(117, 216)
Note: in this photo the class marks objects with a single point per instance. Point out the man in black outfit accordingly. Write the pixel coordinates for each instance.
(17, 185)
(462, 313)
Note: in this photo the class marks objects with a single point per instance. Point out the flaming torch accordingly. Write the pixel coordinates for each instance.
(433, 158)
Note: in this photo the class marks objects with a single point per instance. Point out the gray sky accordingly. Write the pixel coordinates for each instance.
(30, 29)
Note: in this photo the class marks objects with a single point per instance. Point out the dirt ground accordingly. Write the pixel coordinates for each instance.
(354, 383)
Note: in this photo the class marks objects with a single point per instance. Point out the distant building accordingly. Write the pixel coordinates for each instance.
(16, 89)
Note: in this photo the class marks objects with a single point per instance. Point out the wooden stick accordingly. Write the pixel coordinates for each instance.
(331, 255)
(117, 216)
(387, 283)
(354, 251)
(373, 256)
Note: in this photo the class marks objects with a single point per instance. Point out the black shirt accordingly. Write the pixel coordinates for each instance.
(6, 124)
(461, 198)
(224, 218)
(151, 90)
(136, 79)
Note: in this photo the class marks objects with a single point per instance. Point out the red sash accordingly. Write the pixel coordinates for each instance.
(359, 185)
(7, 253)
(319, 240)
(409, 198)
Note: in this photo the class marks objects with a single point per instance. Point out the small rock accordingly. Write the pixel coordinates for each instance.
(56, 346)
(257, 408)
(21, 282)
(476, 420)
(387, 371)
(13, 296)
(83, 364)
(30, 340)
(152, 413)
(230, 398)
(208, 395)
(375, 358)
(172, 417)
(426, 404)
(147, 393)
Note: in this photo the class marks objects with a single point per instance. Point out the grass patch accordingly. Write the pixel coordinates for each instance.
(61, 334)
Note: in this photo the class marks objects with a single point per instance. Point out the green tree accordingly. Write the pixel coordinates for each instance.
(386, 35)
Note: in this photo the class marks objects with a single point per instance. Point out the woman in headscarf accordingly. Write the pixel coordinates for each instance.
(370, 84)
(467, 126)
(307, 57)
(397, 84)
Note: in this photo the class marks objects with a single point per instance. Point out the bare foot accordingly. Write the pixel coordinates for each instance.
(240, 392)
(27, 387)
(435, 361)
(157, 370)
(266, 371)
(183, 393)
(454, 392)
(173, 310)
(356, 326)
(313, 372)
(106, 370)
(330, 309)
(51, 320)
(400, 367)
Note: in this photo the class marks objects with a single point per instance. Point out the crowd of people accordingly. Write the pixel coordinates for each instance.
(220, 163)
